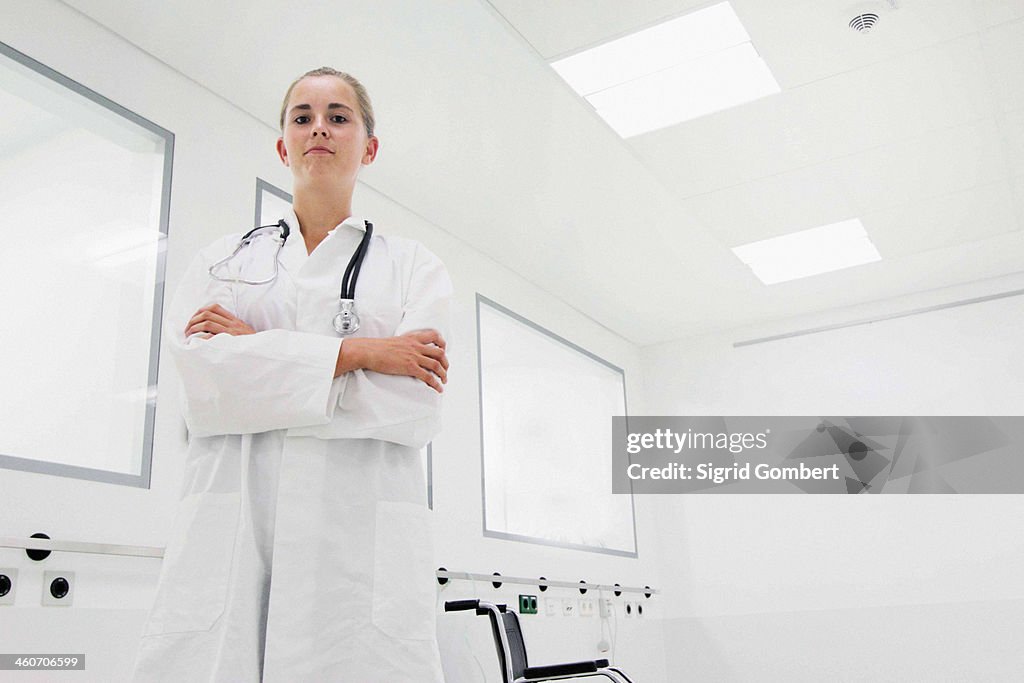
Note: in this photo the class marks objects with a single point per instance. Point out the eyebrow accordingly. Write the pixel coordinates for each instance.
(332, 105)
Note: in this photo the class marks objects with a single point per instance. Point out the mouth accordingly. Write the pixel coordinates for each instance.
(318, 150)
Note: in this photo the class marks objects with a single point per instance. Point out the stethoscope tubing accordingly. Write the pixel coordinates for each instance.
(355, 264)
(348, 280)
(245, 240)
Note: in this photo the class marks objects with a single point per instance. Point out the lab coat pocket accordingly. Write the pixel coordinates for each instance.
(403, 587)
(193, 586)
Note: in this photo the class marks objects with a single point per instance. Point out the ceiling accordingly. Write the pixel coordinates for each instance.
(916, 128)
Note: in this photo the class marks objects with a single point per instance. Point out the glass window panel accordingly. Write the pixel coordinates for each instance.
(272, 203)
(84, 185)
(546, 409)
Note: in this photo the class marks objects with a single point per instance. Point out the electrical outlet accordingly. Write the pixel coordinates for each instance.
(607, 608)
(58, 588)
(568, 608)
(628, 609)
(527, 604)
(639, 609)
(550, 607)
(586, 607)
(8, 585)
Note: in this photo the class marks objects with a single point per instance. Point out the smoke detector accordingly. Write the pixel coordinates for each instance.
(866, 15)
(863, 23)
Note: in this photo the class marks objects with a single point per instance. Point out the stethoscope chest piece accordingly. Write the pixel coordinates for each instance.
(346, 322)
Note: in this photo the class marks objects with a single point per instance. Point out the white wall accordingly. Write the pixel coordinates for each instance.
(907, 587)
(218, 153)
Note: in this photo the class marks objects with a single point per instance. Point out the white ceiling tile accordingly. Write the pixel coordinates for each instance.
(930, 165)
(730, 147)
(934, 88)
(1012, 126)
(805, 41)
(989, 13)
(1018, 198)
(557, 28)
(991, 257)
(929, 89)
(1003, 53)
(777, 205)
(956, 218)
(911, 171)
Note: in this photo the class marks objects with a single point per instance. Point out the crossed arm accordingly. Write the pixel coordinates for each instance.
(419, 354)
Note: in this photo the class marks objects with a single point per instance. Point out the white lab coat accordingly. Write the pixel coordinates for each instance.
(301, 550)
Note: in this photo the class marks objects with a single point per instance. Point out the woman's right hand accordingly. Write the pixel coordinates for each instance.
(215, 319)
(419, 354)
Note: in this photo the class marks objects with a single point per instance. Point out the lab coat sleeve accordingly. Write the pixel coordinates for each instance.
(395, 408)
(273, 379)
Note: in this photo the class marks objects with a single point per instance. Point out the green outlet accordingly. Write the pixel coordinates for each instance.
(527, 604)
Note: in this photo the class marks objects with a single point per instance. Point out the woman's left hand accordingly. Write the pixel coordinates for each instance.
(216, 319)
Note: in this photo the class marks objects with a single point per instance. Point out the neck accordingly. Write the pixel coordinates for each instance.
(319, 213)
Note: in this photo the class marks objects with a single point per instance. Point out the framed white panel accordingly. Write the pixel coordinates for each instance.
(546, 438)
(272, 203)
(85, 189)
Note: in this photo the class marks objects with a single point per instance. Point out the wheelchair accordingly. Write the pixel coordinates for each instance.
(508, 640)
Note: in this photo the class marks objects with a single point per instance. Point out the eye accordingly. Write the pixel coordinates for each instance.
(338, 118)
(300, 119)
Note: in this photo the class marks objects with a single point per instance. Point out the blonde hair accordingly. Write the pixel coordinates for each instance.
(362, 97)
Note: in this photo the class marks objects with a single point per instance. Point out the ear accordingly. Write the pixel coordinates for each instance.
(372, 145)
(282, 152)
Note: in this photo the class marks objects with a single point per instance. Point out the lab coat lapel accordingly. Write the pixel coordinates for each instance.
(293, 254)
(335, 250)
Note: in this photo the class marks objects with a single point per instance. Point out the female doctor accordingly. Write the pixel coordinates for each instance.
(301, 548)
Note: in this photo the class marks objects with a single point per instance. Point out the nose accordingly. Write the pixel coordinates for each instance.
(319, 127)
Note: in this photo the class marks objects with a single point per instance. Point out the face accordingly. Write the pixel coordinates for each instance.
(324, 140)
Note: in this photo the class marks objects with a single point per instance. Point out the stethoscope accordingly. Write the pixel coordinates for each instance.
(346, 321)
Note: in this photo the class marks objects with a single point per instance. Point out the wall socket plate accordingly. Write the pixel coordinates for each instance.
(551, 607)
(527, 604)
(52, 582)
(12, 579)
(586, 607)
(607, 606)
(568, 607)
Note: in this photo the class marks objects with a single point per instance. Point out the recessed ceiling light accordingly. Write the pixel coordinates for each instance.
(678, 70)
(809, 252)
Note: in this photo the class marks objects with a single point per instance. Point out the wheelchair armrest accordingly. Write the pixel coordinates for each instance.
(567, 669)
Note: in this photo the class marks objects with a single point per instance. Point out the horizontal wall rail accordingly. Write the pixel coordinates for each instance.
(520, 580)
(150, 551)
(80, 547)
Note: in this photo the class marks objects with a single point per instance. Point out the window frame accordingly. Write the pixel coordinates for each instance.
(143, 478)
(491, 533)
